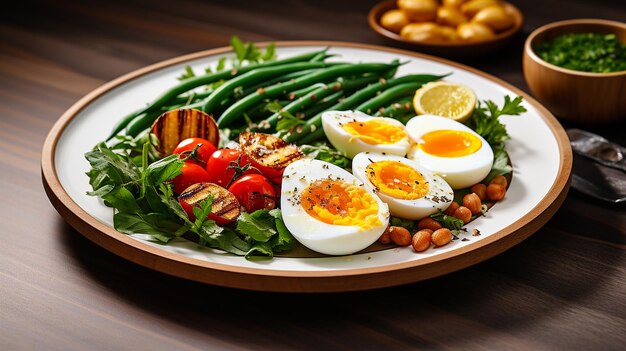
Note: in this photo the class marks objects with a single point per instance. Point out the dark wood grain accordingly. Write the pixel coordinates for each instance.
(564, 288)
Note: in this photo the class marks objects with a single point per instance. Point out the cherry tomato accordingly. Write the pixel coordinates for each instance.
(219, 164)
(203, 153)
(192, 174)
(254, 192)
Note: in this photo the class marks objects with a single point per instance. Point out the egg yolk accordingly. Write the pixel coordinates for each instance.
(397, 180)
(339, 203)
(449, 143)
(375, 132)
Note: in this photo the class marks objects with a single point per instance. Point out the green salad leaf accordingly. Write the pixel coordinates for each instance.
(144, 203)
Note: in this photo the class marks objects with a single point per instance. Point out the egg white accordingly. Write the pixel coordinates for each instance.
(322, 237)
(439, 196)
(460, 172)
(351, 145)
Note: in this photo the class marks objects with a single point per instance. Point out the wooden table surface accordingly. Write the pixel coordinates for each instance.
(563, 288)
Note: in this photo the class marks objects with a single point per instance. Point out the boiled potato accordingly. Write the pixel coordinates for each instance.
(472, 31)
(423, 32)
(495, 17)
(419, 10)
(471, 8)
(449, 33)
(394, 20)
(455, 4)
(448, 16)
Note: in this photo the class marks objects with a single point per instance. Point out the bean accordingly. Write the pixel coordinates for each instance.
(463, 213)
(399, 235)
(495, 192)
(472, 202)
(450, 210)
(384, 238)
(421, 240)
(441, 237)
(428, 223)
(480, 189)
(500, 180)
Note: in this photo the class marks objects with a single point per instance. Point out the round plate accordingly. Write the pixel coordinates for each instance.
(448, 49)
(539, 151)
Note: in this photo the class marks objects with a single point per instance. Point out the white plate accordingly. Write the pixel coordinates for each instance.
(538, 148)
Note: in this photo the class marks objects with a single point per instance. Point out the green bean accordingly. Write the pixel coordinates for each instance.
(205, 79)
(312, 137)
(322, 105)
(397, 108)
(387, 96)
(226, 89)
(321, 92)
(234, 111)
(283, 78)
(302, 92)
(218, 98)
(357, 98)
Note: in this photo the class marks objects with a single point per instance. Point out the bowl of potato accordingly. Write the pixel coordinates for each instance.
(459, 28)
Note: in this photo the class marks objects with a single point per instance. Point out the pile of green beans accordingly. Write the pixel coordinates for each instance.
(304, 85)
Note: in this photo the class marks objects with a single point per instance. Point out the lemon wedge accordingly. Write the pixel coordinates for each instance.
(445, 99)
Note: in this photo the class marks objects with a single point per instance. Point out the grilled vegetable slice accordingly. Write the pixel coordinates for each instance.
(174, 126)
(225, 207)
(269, 154)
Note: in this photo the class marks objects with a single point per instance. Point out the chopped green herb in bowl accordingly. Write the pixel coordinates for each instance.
(587, 52)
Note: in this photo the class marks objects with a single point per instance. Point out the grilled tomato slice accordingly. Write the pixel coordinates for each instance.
(269, 154)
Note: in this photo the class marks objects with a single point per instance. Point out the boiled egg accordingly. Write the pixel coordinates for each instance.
(410, 191)
(329, 210)
(352, 132)
(449, 149)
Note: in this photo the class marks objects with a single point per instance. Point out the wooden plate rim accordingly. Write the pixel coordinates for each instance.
(300, 281)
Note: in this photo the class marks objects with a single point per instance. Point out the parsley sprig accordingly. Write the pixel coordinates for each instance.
(485, 121)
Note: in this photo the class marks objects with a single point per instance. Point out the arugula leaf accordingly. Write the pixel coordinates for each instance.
(116, 167)
(258, 225)
(286, 119)
(284, 241)
(155, 224)
(322, 151)
(225, 239)
(260, 251)
(122, 200)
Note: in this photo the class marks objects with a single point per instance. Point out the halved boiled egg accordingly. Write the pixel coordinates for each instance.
(449, 149)
(352, 132)
(411, 191)
(329, 210)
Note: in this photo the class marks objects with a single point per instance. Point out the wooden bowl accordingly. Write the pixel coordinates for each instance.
(582, 97)
(457, 49)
